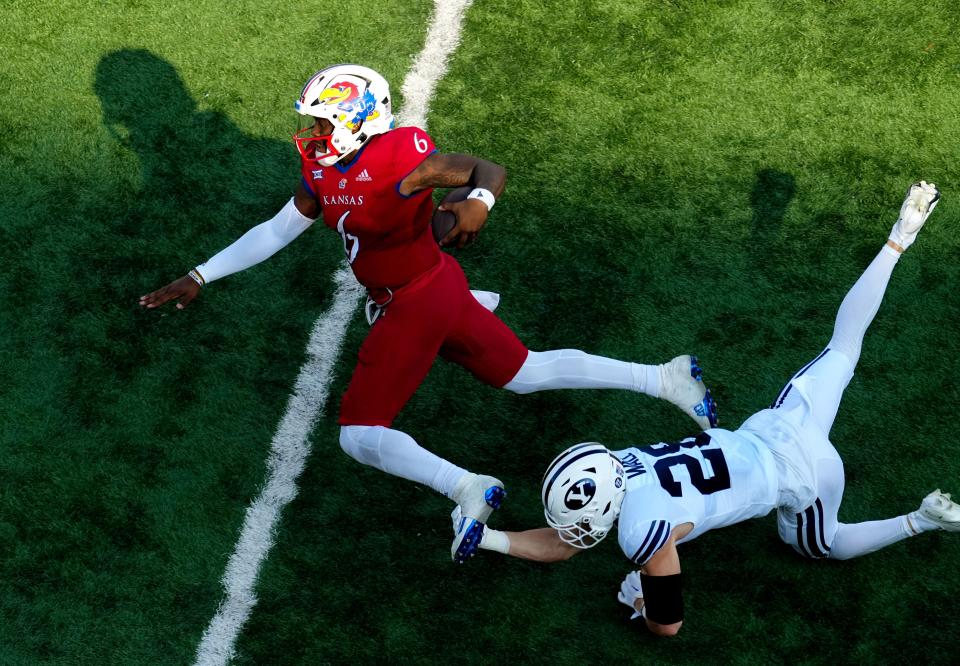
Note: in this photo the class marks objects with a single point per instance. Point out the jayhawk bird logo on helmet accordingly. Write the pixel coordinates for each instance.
(340, 93)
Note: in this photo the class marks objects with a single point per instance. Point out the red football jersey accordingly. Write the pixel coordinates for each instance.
(386, 236)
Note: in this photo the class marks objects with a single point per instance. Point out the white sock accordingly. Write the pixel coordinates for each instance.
(862, 538)
(917, 523)
(572, 368)
(396, 453)
(861, 303)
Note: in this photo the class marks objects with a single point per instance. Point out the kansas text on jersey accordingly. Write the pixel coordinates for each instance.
(386, 235)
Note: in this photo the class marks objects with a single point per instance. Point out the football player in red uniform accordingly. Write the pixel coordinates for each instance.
(372, 183)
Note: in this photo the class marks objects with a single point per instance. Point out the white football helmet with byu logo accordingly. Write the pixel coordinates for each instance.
(355, 99)
(583, 489)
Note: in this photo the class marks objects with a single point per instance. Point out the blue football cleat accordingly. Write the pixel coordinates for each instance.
(477, 496)
(681, 383)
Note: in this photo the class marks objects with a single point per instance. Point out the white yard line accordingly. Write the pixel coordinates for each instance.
(290, 446)
(442, 39)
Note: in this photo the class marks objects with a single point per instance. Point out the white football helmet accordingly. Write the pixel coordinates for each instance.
(583, 489)
(356, 101)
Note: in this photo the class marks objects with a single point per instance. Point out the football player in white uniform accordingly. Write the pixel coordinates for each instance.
(780, 458)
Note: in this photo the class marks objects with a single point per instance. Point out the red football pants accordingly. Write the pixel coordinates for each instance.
(435, 314)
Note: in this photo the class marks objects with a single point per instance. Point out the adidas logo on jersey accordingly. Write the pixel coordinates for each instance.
(364, 177)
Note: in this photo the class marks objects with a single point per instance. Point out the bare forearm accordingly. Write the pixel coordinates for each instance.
(539, 545)
(456, 170)
(489, 176)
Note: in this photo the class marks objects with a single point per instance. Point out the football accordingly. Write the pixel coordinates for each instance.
(444, 220)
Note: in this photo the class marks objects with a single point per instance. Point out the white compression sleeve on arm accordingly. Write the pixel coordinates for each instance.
(261, 242)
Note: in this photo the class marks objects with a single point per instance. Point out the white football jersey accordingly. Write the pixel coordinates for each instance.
(715, 479)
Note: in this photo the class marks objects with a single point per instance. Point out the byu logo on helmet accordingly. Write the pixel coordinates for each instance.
(580, 494)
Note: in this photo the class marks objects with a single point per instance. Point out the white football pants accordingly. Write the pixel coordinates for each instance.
(813, 394)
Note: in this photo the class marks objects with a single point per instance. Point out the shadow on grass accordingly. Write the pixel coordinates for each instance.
(771, 195)
(198, 170)
(104, 470)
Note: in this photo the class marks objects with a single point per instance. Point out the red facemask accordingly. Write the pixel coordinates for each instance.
(314, 148)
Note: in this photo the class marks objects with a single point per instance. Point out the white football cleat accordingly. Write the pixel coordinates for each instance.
(681, 383)
(937, 507)
(921, 199)
(476, 496)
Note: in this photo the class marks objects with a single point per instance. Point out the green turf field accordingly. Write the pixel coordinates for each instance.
(705, 177)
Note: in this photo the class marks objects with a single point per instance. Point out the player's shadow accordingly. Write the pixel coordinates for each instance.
(771, 196)
(743, 321)
(201, 183)
(198, 172)
(103, 402)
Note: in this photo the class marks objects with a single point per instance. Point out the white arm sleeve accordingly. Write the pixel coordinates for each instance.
(258, 244)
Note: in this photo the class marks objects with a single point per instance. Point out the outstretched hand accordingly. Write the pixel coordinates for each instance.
(471, 215)
(184, 290)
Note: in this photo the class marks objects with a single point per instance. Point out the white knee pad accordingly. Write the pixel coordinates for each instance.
(362, 443)
(812, 530)
(848, 346)
(535, 373)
